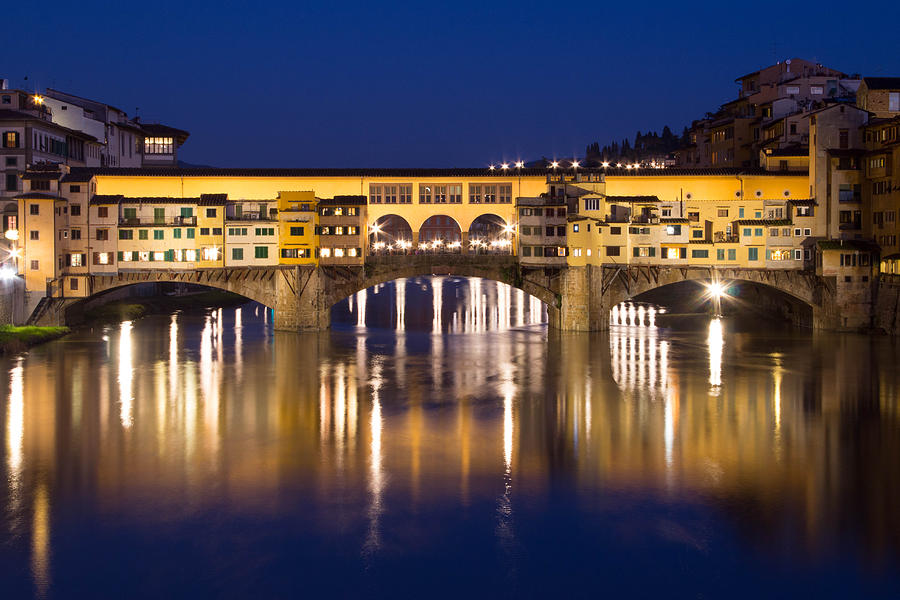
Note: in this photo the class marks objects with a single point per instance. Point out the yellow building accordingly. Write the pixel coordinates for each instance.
(297, 239)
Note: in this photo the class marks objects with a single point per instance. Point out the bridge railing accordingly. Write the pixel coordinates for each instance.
(444, 260)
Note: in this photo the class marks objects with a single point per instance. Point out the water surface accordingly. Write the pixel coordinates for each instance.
(457, 449)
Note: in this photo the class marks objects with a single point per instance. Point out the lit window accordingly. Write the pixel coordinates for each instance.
(190, 255)
(159, 256)
(325, 252)
(158, 145)
(338, 252)
(103, 258)
(352, 252)
(178, 255)
(671, 253)
(75, 260)
(126, 257)
(144, 255)
(211, 253)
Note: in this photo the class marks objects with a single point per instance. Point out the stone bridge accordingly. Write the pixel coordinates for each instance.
(578, 298)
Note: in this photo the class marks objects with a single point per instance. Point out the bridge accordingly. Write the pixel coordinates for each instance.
(578, 298)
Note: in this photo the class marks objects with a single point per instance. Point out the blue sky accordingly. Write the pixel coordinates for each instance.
(423, 84)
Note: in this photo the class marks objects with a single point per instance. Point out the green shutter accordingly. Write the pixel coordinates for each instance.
(637, 252)
(190, 233)
(176, 233)
(119, 255)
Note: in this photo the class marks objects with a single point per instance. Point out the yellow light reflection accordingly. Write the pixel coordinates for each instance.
(40, 541)
(15, 427)
(716, 341)
(400, 287)
(126, 375)
(361, 308)
(437, 301)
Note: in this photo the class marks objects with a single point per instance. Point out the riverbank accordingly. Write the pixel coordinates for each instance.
(136, 307)
(17, 339)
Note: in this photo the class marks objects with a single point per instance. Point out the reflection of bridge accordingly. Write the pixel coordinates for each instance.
(578, 298)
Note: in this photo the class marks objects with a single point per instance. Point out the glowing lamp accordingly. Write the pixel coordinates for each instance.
(12, 234)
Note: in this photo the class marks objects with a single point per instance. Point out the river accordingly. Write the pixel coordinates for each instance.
(428, 448)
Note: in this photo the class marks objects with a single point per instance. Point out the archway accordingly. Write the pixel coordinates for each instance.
(390, 234)
(440, 234)
(489, 233)
(733, 297)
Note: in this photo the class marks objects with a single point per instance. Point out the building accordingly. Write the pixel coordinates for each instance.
(880, 96)
(880, 167)
(542, 231)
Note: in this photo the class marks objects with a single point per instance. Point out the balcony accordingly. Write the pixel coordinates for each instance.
(250, 216)
(176, 221)
(854, 225)
(846, 196)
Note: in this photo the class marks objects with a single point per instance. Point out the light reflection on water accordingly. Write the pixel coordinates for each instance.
(332, 461)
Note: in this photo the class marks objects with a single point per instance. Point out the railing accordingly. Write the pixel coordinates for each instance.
(849, 196)
(853, 225)
(249, 217)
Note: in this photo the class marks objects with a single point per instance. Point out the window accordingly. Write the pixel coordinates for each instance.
(798, 254)
(672, 230)
(102, 212)
(426, 193)
(76, 234)
(124, 234)
(696, 233)
(295, 253)
(722, 212)
(261, 251)
(73, 283)
(237, 254)
(217, 231)
(210, 213)
(41, 185)
(752, 253)
(75, 210)
(34, 209)
(741, 213)
(187, 212)
(12, 182)
(732, 254)
(894, 101)
(455, 194)
(647, 251)
(699, 253)
(10, 139)
(575, 228)
(296, 231)
(35, 265)
(204, 231)
(758, 231)
(576, 251)
(142, 234)
(34, 235)
(7, 99)
(592, 204)
(176, 233)
(158, 234)
(615, 231)
(816, 90)
(526, 250)
(129, 213)
(102, 235)
(807, 231)
(159, 215)
(613, 250)
(190, 233)
(158, 145)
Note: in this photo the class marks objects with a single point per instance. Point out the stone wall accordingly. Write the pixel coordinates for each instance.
(887, 305)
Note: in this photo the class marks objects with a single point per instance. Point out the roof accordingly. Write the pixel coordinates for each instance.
(340, 200)
(83, 174)
(767, 222)
(540, 202)
(17, 115)
(673, 220)
(895, 256)
(803, 202)
(203, 200)
(106, 199)
(795, 150)
(882, 83)
(632, 198)
(37, 196)
(41, 175)
(846, 245)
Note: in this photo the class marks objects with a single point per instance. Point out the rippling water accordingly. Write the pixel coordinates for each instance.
(460, 449)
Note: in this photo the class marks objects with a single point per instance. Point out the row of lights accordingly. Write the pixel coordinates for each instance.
(575, 164)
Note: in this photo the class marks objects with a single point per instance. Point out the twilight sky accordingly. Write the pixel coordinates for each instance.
(369, 84)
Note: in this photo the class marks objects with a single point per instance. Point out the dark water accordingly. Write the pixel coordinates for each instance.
(206, 455)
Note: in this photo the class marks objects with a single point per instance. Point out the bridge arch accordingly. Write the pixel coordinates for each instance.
(384, 269)
(797, 296)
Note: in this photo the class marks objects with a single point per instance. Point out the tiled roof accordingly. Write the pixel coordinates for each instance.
(846, 245)
(160, 130)
(106, 199)
(767, 222)
(43, 175)
(341, 200)
(882, 83)
(673, 220)
(790, 151)
(803, 202)
(37, 196)
(632, 198)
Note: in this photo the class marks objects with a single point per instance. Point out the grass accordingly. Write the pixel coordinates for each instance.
(16, 339)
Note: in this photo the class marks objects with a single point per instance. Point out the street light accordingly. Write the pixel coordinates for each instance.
(555, 164)
(519, 164)
(716, 290)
